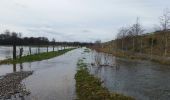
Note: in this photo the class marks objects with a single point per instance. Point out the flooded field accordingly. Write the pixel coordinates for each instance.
(53, 79)
(6, 51)
(143, 80)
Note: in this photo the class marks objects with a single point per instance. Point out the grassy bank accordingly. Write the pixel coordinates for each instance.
(36, 57)
(153, 46)
(89, 87)
(137, 56)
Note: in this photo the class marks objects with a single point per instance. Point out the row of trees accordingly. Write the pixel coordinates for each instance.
(15, 39)
(128, 37)
(132, 38)
(6, 38)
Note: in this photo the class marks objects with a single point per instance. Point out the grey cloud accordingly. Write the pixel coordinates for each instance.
(86, 31)
(79, 20)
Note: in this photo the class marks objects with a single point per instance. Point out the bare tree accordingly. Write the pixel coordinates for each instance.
(122, 34)
(165, 24)
(165, 20)
(130, 37)
(98, 44)
(135, 31)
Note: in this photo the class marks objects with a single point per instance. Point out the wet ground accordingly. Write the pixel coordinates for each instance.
(53, 79)
(143, 80)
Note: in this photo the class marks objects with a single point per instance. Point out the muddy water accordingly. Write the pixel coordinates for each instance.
(143, 80)
(52, 79)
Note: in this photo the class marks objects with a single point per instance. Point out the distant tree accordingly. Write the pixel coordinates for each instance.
(7, 33)
(135, 31)
(130, 37)
(122, 34)
(98, 44)
(165, 24)
(165, 20)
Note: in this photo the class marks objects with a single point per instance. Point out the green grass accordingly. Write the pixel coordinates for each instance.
(89, 87)
(36, 57)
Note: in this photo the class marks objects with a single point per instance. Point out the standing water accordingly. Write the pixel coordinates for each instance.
(6, 51)
(52, 79)
(143, 80)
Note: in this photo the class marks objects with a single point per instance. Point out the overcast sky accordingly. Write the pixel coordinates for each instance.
(77, 20)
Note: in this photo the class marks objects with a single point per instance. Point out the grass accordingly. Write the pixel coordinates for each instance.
(137, 56)
(158, 52)
(36, 57)
(89, 87)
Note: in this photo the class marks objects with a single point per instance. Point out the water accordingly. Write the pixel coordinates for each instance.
(143, 80)
(53, 79)
(6, 51)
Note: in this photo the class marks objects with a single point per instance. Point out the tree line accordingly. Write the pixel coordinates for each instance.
(134, 39)
(15, 39)
(7, 38)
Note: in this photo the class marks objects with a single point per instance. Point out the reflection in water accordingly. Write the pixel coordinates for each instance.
(98, 59)
(14, 67)
(21, 67)
(10, 84)
(29, 64)
(143, 80)
(103, 59)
